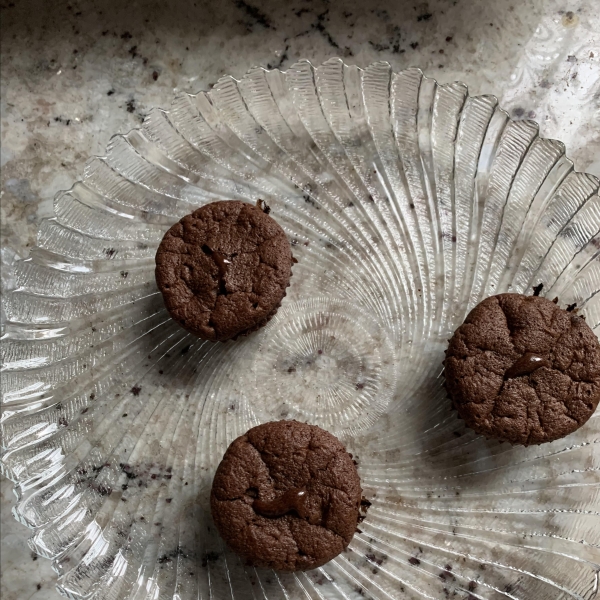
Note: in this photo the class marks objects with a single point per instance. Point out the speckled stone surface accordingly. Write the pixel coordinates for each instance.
(74, 73)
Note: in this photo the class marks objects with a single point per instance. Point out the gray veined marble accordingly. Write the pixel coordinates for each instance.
(73, 74)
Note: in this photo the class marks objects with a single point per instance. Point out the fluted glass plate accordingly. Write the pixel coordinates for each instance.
(406, 202)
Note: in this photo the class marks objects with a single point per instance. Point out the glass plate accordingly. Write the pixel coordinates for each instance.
(406, 203)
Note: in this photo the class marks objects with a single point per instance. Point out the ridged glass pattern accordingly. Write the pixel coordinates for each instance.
(406, 203)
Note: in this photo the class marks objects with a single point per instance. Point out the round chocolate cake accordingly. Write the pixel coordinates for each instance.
(523, 370)
(286, 496)
(224, 269)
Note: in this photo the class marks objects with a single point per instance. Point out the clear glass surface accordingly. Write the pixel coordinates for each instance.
(406, 203)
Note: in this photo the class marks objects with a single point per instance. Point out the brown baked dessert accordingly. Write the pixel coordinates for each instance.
(224, 269)
(523, 370)
(286, 496)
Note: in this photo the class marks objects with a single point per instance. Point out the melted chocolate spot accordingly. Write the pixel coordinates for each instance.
(292, 500)
(527, 364)
(222, 263)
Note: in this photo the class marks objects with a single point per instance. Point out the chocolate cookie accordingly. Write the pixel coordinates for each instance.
(521, 369)
(223, 270)
(286, 496)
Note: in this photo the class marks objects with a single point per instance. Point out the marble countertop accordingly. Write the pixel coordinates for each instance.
(75, 73)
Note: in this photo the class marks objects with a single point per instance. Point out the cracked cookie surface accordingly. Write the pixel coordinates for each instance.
(523, 370)
(286, 496)
(223, 270)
